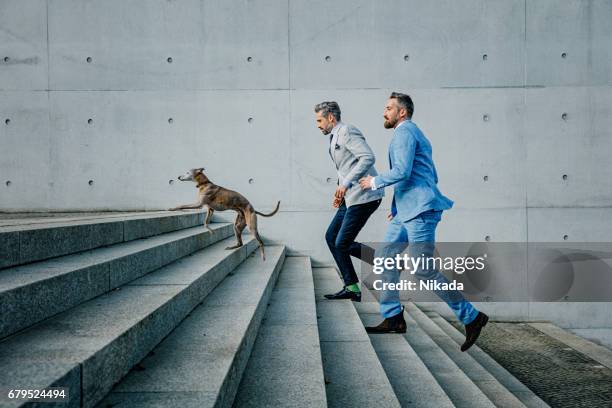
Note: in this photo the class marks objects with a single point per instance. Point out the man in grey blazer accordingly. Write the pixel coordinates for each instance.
(353, 159)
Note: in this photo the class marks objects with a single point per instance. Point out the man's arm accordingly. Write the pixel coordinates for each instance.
(402, 151)
(357, 145)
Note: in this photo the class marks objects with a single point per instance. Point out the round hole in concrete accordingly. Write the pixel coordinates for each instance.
(328, 180)
(249, 59)
(7, 121)
(90, 182)
(486, 178)
(327, 58)
(251, 181)
(90, 121)
(485, 57)
(8, 183)
(169, 60)
(564, 177)
(565, 237)
(170, 120)
(485, 117)
(564, 55)
(564, 116)
(89, 59)
(6, 59)
(171, 182)
(250, 120)
(406, 57)
(487, 238)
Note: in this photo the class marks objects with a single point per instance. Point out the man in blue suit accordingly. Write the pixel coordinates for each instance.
(416, 210)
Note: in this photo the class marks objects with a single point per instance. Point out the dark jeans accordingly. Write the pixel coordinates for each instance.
(341, 234)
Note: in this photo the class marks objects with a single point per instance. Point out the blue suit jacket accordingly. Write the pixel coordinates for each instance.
(412, 174)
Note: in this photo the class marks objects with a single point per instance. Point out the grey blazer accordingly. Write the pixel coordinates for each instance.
(354, 159)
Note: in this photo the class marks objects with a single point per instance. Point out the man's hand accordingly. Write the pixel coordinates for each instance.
(340, 191)
(366, 182)
(337, 202)
(389, 217)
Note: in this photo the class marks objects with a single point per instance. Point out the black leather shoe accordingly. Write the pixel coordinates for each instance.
(393, 324)
(472, 330)
(345, 294)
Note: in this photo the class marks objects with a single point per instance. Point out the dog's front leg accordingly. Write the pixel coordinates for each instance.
(199, 204)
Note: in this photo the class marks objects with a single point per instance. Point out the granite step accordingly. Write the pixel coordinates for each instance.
(25, 240)
(285, 368)
(505, 378)
(458, 386)
(31, 293)
(200, 364)
(412, 381)
(354, 375)
(499, 395)
(92, 346)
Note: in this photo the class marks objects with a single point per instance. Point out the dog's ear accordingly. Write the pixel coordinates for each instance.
(201, 169)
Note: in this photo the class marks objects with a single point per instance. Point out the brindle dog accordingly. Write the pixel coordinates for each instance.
(218, 198)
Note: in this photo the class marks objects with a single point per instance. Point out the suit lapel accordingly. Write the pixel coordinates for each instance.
(332, 149)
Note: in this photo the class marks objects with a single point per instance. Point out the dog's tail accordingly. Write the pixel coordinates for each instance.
(271, 214)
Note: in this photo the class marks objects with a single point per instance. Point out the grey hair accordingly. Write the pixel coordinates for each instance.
(403, 101)
(328, 107)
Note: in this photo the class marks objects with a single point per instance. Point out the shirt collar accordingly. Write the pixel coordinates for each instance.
(402, 123)
(335, 129)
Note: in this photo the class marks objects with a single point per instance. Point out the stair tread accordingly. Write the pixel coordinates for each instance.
(285, 367)
(33, 222)
(412, 381)
(352, 370)
(115, 323)
(485, 381)
(460, 389)
(23, 241)
(511, 383)
(21, 275)
(198, 359)
(31, 293)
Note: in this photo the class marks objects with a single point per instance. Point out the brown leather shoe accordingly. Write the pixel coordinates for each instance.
(473, 329)
(393, 324)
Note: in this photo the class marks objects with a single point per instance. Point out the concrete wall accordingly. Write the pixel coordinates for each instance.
(518, 91)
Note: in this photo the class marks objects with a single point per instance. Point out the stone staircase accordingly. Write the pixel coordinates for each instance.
(151, 310)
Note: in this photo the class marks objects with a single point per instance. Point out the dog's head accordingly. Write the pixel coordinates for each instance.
(193, 175)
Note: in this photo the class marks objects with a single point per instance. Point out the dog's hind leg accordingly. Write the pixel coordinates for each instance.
(252, 222)
(239, 225)
(209, 214)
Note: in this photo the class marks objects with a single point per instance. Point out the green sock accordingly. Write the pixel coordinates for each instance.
(353, 288)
